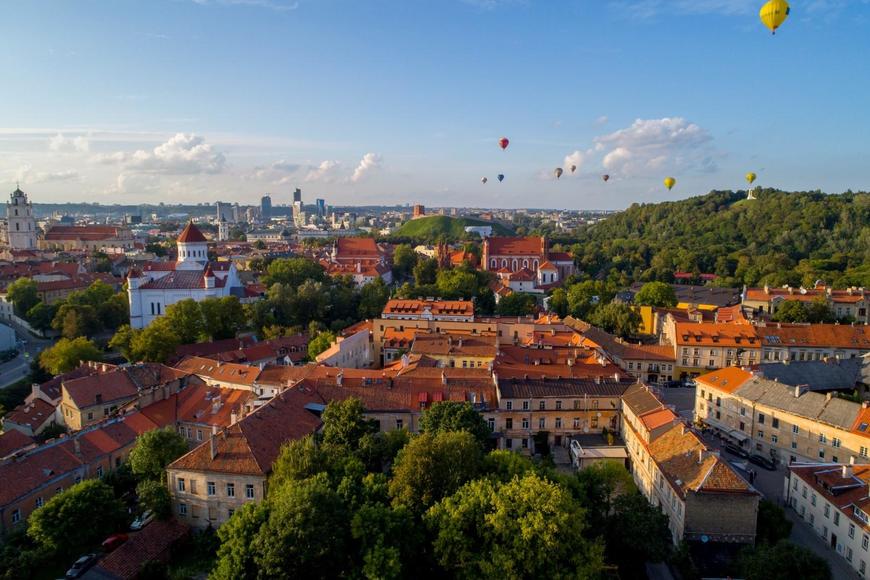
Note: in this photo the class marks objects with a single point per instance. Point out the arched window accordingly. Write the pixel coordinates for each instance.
(503, 263)
(536, 264)
(525, 263)
(493, 263)
(514, 265)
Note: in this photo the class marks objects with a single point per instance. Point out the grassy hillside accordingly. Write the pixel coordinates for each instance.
(782, 237)
(431, 228)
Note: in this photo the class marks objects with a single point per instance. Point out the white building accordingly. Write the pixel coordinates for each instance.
(20, 225)
(160, 284)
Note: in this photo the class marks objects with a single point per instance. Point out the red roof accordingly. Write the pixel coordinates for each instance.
(152, 543)
(191, 234)
(528, 246)
(13, 440)
(34, 414)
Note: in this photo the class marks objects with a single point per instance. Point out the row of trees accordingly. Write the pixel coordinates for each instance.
(87, 312)
(355, 502)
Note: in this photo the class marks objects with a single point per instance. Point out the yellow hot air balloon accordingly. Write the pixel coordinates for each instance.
(774, 13)
(670, 182)
(750, 177)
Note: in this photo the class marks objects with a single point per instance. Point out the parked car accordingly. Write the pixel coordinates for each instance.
(735, 450)
(81, 566)
(673, 384)
(146, 518)
(690, 383)
(114, 541)
(763, 461)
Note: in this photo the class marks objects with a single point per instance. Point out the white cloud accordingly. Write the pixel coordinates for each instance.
(577, 158)
(60, 143)
(649, 145)
(326, 171)
(370, 162)
(601, 121)
(182, 154)
(26, 174)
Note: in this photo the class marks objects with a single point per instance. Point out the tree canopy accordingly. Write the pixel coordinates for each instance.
(446, 416)
(66, 354)
(154, 450)
(656, 294)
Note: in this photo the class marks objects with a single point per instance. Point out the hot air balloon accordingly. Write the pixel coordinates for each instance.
(500, 177)
(605, 177)
(558, 172)
(774, 13)
(573, 168)
(503, 142)
(483, 180)
(670, 182)
(750, 177)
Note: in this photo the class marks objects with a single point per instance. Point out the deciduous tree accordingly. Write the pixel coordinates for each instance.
(67, 354)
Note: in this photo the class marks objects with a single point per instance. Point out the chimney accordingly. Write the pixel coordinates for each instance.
(212, 443)
(339, 378)
(828, 396)
(77, 447)
(863, 404)
(797, 392)
(597, 379)
(616, 377)
(701, 456)
(443, 378)
(234, 417)
(847, 471)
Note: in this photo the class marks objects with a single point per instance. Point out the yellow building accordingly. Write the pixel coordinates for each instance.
(456, 350)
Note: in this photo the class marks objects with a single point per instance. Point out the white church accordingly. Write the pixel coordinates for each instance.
(160, 284)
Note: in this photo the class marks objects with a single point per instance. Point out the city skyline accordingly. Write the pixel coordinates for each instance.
(393, 103)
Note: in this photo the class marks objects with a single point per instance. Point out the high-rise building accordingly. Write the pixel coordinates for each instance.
(266, 207)
(20, 225)
(320, 204)
(297, 195)
(224, 211)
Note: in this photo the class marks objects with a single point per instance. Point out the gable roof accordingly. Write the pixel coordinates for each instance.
(219, 371)
(191, 234)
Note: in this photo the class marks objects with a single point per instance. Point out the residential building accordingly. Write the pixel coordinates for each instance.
(93, 238)
(219, 374)
(456, 350)
(783, 422)
(705, 346)
(556, 407)
(850, 302)
(161, 284)
(351, 351)
(805, 342)
(833, 500)
(704, 499)
(649, 363)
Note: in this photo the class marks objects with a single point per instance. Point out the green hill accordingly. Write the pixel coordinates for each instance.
(780, 238)
(431, 228)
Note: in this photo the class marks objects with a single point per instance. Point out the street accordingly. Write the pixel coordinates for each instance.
(769, 483)
(29, 347)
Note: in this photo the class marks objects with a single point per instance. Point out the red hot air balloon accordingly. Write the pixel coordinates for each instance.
(605, 177)
(503, 142)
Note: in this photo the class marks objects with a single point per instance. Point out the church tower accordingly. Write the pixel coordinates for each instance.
(20, 225)
(192, 249)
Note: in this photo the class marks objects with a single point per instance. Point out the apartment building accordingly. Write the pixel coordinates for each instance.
(786, 423)
(813, 342)
(703, 497)
(703, 346)
(834, 499)
(850, 302)
(649, 363)
(456, 350)
(556, 407)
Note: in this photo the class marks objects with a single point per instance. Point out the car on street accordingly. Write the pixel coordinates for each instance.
(763, 461)
(146, 518)
(673, 384)
(735, 450)
(81, 566)
(114, 541)
(690, 383)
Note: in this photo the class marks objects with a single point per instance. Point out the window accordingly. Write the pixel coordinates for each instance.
(193, 486)
(742, 426)
(249, 491)
(509, 443)
(16, 516)
(231, 490)
(774, 439)
(863, 452)
(761, 418)
(821, 453)
(210, 488)
(525, 405)
(508, 423)
(862, 568)
(41, 502)
(558, 422)
(774, 422)
(525, 423)
(558, 405)
(823, 438)
(99, 471)
(525, 443)
(576, 422)
(795, 429)
(813, 499)
(835, 442)
(761, 434)
(182, 509)
(849, 554)
(490, 422)
(812, 518)
(827, 510)
(199, 434)
(509, 405)
(399, 423)
(865, 542)
(180, 484)
(743, 411)
(851, 530)
(541, 406)
(794, 444)
(542, 423)
(836, 518)
(230, 512)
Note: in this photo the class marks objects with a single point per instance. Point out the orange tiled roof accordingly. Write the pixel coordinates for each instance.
(33, 414)
(727, 379)
(226, 372)
(191, 234)
(442, 307)
(816, 335)
(713, 334)
(657, 418)
(527, 246)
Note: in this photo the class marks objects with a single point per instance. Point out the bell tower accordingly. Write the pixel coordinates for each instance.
(20, 225)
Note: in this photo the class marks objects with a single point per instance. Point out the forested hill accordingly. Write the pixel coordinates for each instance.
(780, 238)
(430, 229)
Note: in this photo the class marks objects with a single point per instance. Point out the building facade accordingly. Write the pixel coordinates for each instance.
(20, 224)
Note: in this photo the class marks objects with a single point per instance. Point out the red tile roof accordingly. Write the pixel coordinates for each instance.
(34, 414)
(88, 233)
(816, 335)
(225, 372)
(350, 248)
(153, 542)
(13, 440)
(107, 387)
(191, 234)
(436, 307)
(528, 246)
(727, 379)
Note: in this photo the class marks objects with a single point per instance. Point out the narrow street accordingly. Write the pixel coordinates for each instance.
(29, 347)
(770, 484)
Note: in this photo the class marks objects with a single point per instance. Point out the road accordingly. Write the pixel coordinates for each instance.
(770, 484)
(16, 369)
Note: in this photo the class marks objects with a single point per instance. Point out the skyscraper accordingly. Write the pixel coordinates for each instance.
(266, 207)
(320, 204)
(297, 195)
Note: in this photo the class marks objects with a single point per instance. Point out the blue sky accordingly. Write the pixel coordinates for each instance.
(375, 101)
